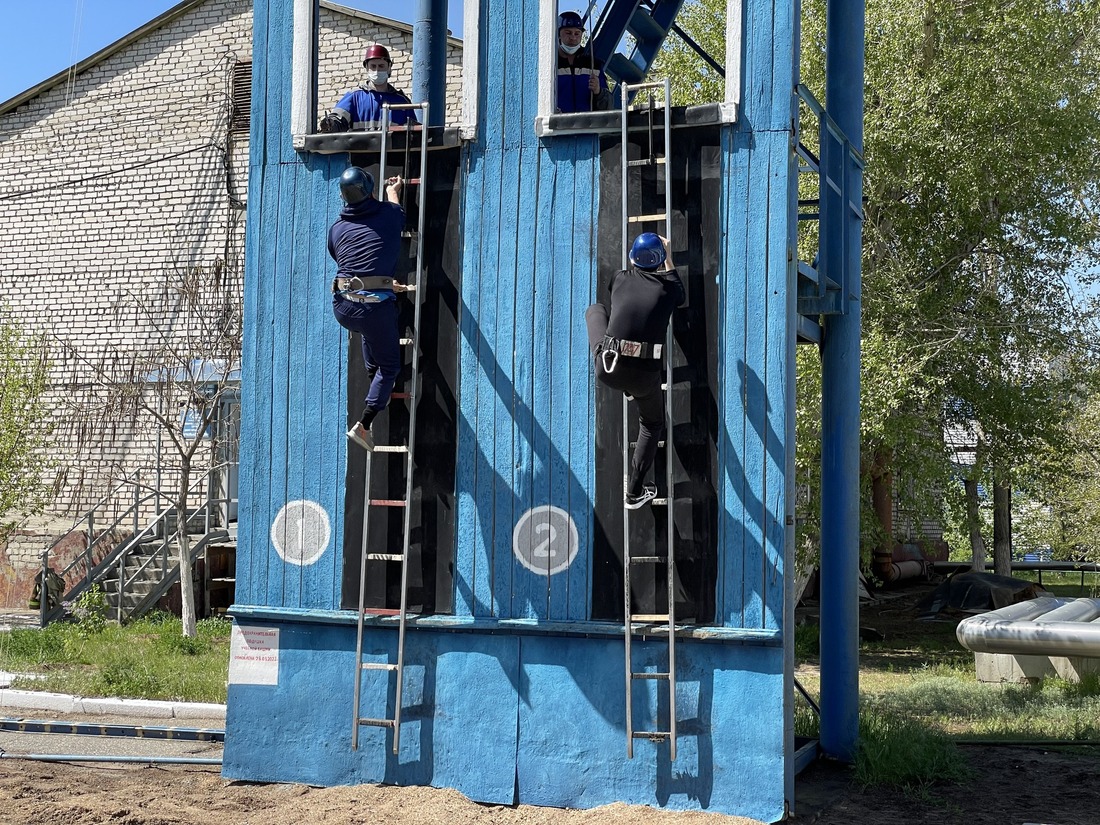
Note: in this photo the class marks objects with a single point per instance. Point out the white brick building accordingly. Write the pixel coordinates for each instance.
(127, 170)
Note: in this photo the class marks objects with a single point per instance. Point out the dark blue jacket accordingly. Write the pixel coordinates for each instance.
(573, 94)
(366, 239)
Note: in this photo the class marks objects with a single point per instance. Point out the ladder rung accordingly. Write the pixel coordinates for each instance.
(377, 666)
(400, 395)
(647, 559)
(391, 448)
(405, 341)
(376, 723)
(386, 502)
(660, 443)
(648, 162)
(647, 675)
(385, 557)
(660, 216)
(649, 617)
(652, 735)
(412, 181)
(659, 502)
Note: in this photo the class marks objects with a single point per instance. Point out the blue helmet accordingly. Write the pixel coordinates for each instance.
(356, 185)
(570, 20)
(648, 252)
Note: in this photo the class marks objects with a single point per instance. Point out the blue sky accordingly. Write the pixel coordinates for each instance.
(43, 37)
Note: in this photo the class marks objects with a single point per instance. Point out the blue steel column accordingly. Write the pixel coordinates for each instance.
(430, 58)
(840, 356)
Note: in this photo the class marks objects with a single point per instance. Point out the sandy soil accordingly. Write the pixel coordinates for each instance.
(33, 793)
(1010, 785)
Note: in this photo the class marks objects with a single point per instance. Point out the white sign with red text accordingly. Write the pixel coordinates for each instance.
(254, 656)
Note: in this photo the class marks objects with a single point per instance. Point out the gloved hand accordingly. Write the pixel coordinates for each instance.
(332, 123)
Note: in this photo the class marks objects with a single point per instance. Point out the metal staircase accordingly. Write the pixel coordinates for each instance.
(832, 174)
(135, 572)
(648, 22)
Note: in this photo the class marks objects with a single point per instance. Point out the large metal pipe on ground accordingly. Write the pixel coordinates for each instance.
(1040, 627)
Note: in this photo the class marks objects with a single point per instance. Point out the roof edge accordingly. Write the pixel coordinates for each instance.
(171, 14)
(102, 54)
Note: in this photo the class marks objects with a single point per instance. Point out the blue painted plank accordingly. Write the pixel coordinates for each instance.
(733, 261)
(753, 377)
(253, 400)
(509, 282)
(296, 312)
(582, 411)
(759, 65)
(275, 101)
(469, 459)
(488, 591)
(280, 359)
(322, 403)
(495, 89)
(526, 366)
(779, 467)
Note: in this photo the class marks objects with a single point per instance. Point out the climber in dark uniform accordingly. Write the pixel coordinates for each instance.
(365, 242)
(361, 109)
(627, 337)
(582, 85)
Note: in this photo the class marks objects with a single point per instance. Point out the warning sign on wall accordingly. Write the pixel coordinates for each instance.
(254, 656)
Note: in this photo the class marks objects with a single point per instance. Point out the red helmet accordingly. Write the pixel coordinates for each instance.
(376, 51)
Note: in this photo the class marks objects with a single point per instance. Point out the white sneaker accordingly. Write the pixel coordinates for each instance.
(361, 436)
(649, 492)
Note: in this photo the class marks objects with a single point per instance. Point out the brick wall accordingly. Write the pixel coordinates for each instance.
(113, 187)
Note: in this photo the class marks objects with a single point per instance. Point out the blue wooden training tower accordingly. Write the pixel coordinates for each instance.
(509, 614)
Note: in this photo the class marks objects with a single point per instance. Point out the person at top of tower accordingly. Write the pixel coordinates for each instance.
(582, 86)
(365, 242)
(627, 335)
(361, 109)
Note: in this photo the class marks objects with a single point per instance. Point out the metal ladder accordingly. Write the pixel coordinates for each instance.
(408, 450)
(630, 224)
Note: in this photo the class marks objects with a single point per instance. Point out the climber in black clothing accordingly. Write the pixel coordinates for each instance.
(627, 338)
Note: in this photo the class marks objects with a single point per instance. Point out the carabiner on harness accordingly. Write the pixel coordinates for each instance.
(609, 364)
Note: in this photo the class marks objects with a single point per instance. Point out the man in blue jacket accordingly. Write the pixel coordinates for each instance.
(365, 242)
(582, 86)
(361, 109)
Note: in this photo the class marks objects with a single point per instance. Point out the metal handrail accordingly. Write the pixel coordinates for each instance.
(109, 561)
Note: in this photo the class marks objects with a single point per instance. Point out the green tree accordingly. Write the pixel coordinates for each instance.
(23, 424)
(982, 128)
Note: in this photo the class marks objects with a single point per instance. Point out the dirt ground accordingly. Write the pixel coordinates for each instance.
(1007, 786)
(1010, 786)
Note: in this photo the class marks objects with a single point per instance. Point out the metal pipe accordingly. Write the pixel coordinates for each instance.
(429, 83)
(840, 355)
(1028, 629)
(83, 757)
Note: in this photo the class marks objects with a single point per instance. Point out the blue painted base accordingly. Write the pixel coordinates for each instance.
(507, 718)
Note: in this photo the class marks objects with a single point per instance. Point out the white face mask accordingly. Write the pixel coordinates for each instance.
(569, 49)
(378, 76)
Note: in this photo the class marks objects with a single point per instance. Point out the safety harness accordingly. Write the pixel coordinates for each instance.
(347, 287)
(611, 348)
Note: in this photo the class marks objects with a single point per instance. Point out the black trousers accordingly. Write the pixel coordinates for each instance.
(640, 377)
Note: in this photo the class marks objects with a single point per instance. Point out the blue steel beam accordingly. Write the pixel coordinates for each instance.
(430, 58)
(840, 355)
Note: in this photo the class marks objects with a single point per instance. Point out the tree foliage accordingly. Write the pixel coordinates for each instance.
(23, 423)
(982, 129)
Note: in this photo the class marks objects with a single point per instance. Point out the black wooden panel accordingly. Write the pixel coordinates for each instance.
(432, 534)
(695, 166)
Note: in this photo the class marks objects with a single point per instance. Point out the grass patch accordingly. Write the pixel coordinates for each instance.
(148, 659)
(903, 753)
